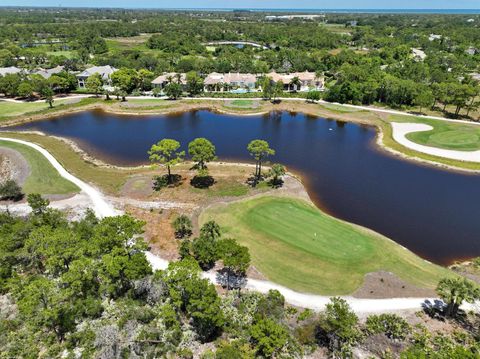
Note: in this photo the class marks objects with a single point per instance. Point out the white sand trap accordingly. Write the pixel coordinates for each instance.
(400, 130)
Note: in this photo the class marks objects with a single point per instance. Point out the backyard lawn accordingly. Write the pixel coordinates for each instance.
(295, 244)
(43, 177)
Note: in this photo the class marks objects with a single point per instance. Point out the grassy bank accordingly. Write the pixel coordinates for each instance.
(13, 110)
(296, 245)
(108, 179)
(448, 135)
(43, 177)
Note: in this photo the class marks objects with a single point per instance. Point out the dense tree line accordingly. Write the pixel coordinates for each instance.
(26, 86)
(368, 63)
(85, 288)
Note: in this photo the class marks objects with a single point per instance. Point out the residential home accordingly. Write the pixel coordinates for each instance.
(476, 76)
(472, 51)
(307, 81)
(104, 71)
(418, 54)
(9, 70)
(47, 73)
(163, 80)
(220, 82)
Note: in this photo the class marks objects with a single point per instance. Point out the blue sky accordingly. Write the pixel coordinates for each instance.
(307, 4)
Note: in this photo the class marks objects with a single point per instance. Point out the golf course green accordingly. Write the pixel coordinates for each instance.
(447, 135)
(295, 244)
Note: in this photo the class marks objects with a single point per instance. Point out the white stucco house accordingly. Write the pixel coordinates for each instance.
(104, 71)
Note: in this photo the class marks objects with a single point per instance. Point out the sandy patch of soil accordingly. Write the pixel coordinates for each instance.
(139, 187)
(74, 205)
(159, 233)
(467, 269)
(254, 273)
(379, 285)
(13, 166)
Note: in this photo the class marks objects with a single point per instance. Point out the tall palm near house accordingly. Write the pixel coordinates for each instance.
(179, 78)
(169, 79)
(296, 83)
(319, 74)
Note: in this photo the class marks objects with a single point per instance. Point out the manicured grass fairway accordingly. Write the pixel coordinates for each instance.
(447, 135)
(11, 109)
(14, 109)
(242, 103)
(339, 109)
(67, 54)
(43, 178)
(297, 245)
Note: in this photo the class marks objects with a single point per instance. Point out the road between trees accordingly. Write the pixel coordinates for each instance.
(103, 209)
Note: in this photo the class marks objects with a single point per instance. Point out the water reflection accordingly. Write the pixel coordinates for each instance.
(430, 211)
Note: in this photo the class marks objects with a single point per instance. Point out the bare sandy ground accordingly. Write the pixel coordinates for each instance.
(13, 166)
(401, 130)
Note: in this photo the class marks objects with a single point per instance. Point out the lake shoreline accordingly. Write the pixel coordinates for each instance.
(102, 161)
(373, 119)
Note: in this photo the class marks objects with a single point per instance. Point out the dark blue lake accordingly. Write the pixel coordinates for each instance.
(433, 212)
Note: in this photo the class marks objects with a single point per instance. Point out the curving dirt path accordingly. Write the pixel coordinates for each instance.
(100, 206)
(401, 130)
(315, 302)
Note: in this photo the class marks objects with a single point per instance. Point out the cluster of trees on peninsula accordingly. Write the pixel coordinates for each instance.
(85, 288)
(167, 152)
(366, 58)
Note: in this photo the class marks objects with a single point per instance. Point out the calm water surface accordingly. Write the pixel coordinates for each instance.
(434, 213)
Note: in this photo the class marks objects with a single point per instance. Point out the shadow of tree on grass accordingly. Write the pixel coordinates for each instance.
(160, 182)
(202, 182)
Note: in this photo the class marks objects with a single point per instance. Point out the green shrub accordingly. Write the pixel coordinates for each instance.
(393, 326)
(182, 226)
(10, 190)
(306, 314)
(338, 328)
(160, 182)
(306, 334)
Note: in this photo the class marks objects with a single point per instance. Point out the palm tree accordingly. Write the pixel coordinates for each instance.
(454, 291)
(296, 83)
(179, 78)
